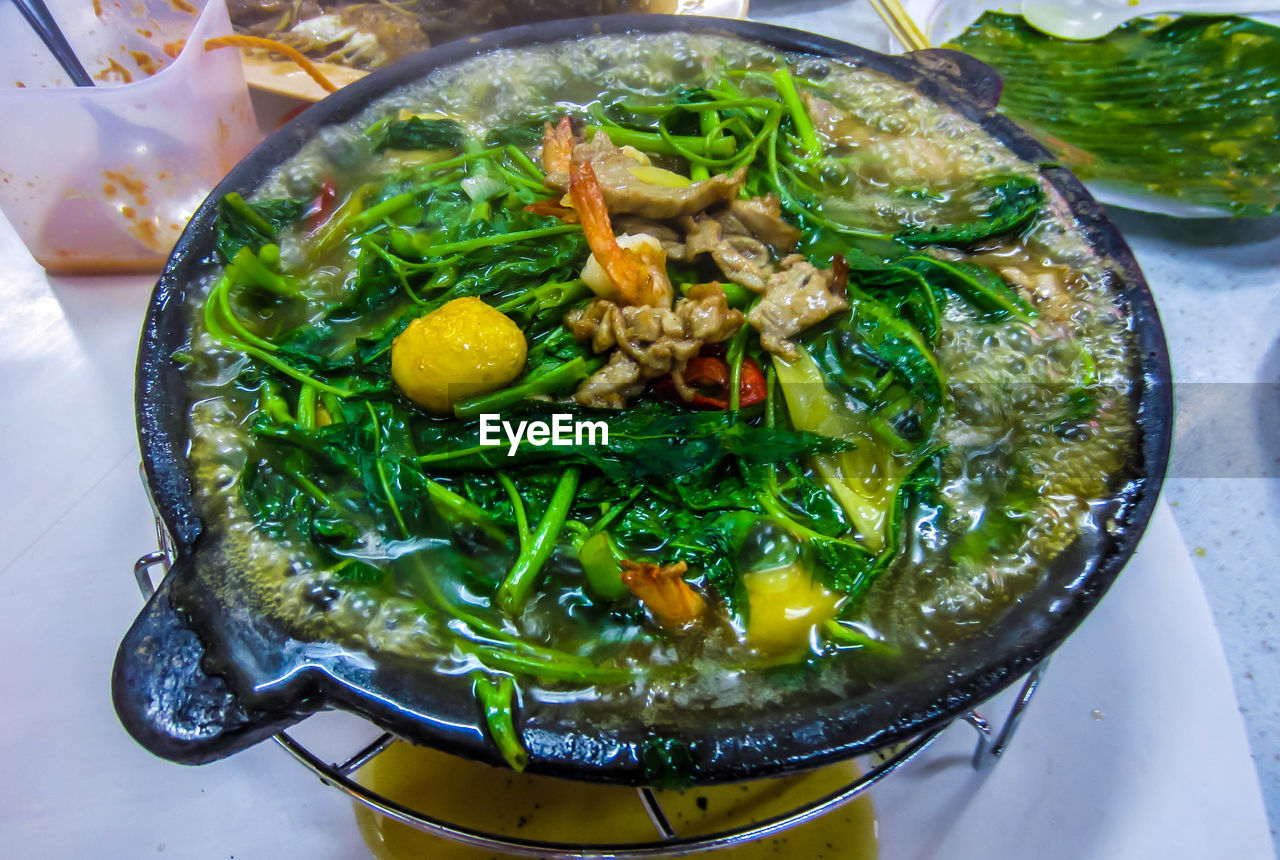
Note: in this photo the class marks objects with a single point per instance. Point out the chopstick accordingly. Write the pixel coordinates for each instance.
(900, 24)
(40, 20)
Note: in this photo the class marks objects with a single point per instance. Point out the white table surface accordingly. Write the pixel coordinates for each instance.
(1164, 772)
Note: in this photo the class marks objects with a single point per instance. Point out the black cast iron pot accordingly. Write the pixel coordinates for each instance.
(200, 676)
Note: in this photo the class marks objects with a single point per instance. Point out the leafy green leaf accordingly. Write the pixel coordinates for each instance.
(978, 285)
(842, 565)
(1014, 201)
(420, 133)
(881, 360)
(667, 763)
(1181, 107)
(240, 223)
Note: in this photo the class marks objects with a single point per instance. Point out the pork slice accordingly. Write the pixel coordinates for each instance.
(650, 342)
(626, 192)
(762, 218)
(796, 297)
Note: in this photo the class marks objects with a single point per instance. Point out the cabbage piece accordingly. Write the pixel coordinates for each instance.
(865, 479)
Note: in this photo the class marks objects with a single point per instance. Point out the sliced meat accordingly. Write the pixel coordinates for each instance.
(834, 124)
(797, 296)
(742, 258)
(650, 342)
(612, 386)
(633, 225)
(896, 158)
(626, 191)
(762, 217)
(1048, 289)
(741, 237)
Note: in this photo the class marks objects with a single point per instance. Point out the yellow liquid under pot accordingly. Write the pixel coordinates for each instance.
(542, 808)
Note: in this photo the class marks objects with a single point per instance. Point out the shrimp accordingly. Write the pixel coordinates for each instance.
(639, 272)
(671, 601)
(553, 209)
(557, 148)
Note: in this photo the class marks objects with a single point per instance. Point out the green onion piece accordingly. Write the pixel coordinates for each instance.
(489, 241)
(786, 87)
(307, 406)
(238, 204)
(513, 594)
(498, 702)
(547, 382)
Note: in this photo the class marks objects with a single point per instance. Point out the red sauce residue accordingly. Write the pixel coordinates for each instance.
(147, 63)
(146, 232)
(146, 34)
(128, 212)
(114, 70)
(129, 183)
(173, 49)
(183, 6)
(108, 189)
(20, 85)
(97, 8)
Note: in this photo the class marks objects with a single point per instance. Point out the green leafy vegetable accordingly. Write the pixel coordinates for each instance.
(497, 700)
(514, 591)
(978, 285)
(1014, 201)
(1185, 108)
(883, 362)
(667, 763)
(242, 224)
(419, 133)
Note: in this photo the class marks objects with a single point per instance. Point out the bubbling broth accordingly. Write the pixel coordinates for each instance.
(861, 377)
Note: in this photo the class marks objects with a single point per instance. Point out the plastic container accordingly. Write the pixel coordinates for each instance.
(104, 178)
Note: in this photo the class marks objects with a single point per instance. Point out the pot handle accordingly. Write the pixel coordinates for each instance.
(166, 700)
(981, 82)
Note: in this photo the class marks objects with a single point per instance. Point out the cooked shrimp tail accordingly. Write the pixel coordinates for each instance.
(639, 276)
(557, 147)
(670, 600)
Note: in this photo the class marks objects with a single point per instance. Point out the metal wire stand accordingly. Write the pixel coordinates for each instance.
(990, 747)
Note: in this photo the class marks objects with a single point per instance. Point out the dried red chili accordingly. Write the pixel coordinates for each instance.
(709, 378)
(322, 206)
